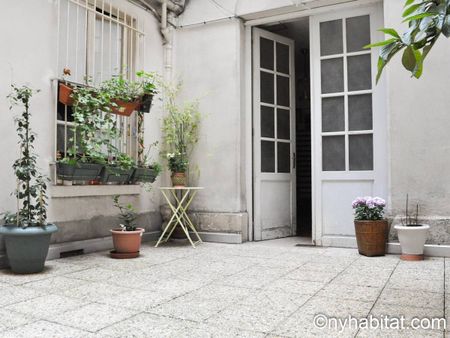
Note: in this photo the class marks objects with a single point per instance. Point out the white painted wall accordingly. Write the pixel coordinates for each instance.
(419, 135)
(208, 61)
(28, 56)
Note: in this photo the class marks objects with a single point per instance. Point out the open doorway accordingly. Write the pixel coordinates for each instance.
(298, 31)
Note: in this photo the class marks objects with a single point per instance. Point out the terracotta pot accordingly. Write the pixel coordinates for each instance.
(64, 95)
(178, 179)
(125, 108)
(371, 237)
(127, 241)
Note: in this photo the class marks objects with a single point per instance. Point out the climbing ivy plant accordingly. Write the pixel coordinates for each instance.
(31, 184)
(427, 21)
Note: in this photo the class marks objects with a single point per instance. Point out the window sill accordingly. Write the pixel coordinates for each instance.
(62, 191)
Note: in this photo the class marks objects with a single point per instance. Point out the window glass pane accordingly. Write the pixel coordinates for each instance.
(267, 156)
(282, 58)
(283, 92)
(331, 37)
(332, 76)
(358, 33)
(283, 124)
(359, 72)
(333, 117)
(333, 153)
(360, 112)
(284, 157)
(267, 87)
(60, 137)
(267, 122)
(266, 53)
(361, 152)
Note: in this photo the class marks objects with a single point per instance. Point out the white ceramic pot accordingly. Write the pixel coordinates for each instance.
(412, 240)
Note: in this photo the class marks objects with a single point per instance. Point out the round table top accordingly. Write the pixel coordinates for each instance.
(181, 188)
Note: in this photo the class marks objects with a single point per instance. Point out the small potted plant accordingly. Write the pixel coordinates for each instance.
(149, 90)
(65, 90)
(26, 232)
(126, 239)
(178, 165)
(370, 226)
(412, 235)
(125, 95)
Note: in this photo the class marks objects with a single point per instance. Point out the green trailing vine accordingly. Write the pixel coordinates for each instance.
(31, 184)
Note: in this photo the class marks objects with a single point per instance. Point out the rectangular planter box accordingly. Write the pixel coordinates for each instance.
(117, 175)
(78, 172)
(143, 175)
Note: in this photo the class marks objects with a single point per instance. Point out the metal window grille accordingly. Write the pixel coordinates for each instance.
(97, 41)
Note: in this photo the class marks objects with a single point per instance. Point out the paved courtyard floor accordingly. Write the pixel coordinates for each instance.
(265, 289)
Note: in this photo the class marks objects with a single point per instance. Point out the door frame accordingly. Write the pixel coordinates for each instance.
(334, 5)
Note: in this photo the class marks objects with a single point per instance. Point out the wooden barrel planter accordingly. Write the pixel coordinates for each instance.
(371, 237)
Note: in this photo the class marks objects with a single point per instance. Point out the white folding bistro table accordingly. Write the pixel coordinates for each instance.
(179, 200)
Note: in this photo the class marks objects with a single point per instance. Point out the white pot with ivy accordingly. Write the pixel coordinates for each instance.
(26, 232)
(412, 235)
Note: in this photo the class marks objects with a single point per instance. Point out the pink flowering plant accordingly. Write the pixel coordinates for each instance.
(369, 208)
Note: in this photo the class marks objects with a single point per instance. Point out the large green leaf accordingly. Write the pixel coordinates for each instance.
(381, 43)
(419, 16)
(411, 9)
(390, 31)
(409, 59)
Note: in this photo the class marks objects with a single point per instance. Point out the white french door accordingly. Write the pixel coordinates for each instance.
(348, 119)
(273, 135)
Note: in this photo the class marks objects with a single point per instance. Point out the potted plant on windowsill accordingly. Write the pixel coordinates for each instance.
(26, 233)
(119, 170)
(92, 132)
(125, 95)
(370, 227)
(149, 90)
(412, 235)
(126, 239)
(65, 90)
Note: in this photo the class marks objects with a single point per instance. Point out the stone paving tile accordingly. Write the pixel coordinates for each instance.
(93, 317)
(54, 284)
(302, 274)
(414, 298)
(294, 286)
(95, 291)
(350, 292)
(46, 306)
(91, 274)
(190, 308)
(277, 300)
(261, 319)
(144, 325)
(301, 323)
(392, 333)
(417, 285)
(46, 329)
(408, 312)
(10, 319)
(16, 294)
(199, 330)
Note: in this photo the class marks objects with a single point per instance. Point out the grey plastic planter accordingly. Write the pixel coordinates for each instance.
(143, 175)
(27, 248)
(117, 175)
(78, 172)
